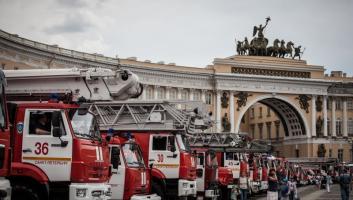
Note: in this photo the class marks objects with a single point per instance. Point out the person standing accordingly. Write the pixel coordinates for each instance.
(272, 192)
(293, 192)
(345, 181)
(243, 186)
(328, 182)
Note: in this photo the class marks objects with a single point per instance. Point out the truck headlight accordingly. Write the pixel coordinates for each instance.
(108, 192)
(96, 193)
(185, 185)
(81, 192)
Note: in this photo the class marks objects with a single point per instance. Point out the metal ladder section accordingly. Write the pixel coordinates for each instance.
(165, 116)
(142, 116)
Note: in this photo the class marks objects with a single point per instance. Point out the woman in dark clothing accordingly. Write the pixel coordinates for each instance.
(272, 192)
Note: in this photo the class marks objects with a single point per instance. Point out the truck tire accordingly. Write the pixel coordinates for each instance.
(157, 188)
(20, 192)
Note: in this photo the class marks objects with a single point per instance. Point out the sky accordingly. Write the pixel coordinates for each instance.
(185, 32)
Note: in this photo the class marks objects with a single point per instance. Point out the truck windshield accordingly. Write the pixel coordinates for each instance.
(183, 142)
(132, 154)
(85, 126)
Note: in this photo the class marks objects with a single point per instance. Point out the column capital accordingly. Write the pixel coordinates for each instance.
(156, 86)
(180, 89)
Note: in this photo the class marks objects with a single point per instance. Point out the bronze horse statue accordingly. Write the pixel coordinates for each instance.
(273, 50)
(286, 50)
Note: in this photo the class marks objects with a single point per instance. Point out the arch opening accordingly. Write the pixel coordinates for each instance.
(289, 116)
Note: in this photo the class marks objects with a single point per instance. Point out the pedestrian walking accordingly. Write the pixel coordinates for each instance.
(284, 189)
(243, 186)
(293, 192)
(272, 192)
(345, 181)
(328, 182)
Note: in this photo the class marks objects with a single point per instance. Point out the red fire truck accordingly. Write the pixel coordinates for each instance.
(159, 129)
(57, 151)
(130, 176)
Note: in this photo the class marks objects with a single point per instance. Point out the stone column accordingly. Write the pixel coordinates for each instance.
(203, 95)
(155, 91)
(231, 109)
(325, 114)
(345, 127)
(167, 92)
(218, 110)
(313, 116)
(333, 117)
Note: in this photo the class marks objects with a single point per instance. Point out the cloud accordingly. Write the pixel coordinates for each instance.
(72, 3)
(73, 23)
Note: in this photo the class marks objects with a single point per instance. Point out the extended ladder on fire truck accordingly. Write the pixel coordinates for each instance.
(146, 116)
(92, 84)
(165, 116)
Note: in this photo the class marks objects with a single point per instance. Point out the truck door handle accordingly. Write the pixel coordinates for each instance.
(27, 150)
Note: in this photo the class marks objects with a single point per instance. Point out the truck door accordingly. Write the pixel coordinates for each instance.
(117, 181)
(231, 160)
(165, 154)
(46, 150)
(200, 172)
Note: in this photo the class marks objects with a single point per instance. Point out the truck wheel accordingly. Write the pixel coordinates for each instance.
(156, 188)
(20, 192)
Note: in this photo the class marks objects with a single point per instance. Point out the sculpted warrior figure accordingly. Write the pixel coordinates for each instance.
(260, 29)
(297, 52)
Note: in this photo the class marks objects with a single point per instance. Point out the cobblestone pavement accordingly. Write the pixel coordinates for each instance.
(311, 192)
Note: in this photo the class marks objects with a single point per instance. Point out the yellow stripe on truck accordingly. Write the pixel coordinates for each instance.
(46, 158)
(166, 165)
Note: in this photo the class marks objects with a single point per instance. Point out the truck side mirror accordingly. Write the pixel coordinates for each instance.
(171, 144)
(56, 131)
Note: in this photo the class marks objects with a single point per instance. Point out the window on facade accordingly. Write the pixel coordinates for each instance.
(268, 126)
(208, 98)
(340, 155)
(197, 96)
(338, 104)
(161, 93)
(350, 103)
(185, 95)
(268, 112)
(330, 153)
(329, 132)
(297, 153)
(338, 127)
(252, 113)
(350, 127)
(260, 125)
(260, 112)
(173, 94)
(277, 130)
(252, 128)
(149, 93)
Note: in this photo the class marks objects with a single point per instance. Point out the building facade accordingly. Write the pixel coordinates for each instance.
(291, 104)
